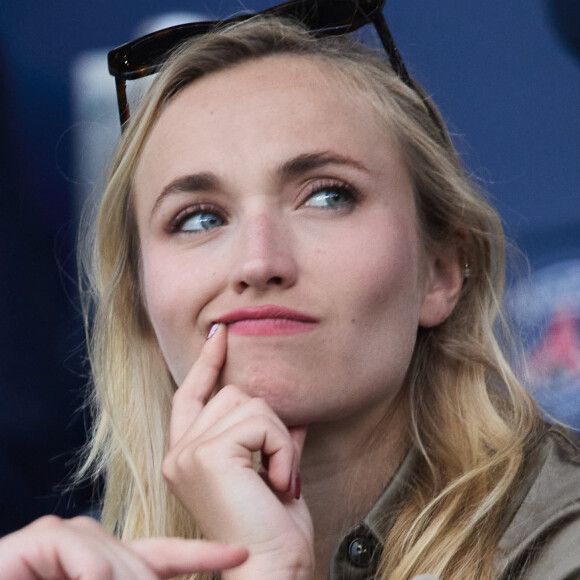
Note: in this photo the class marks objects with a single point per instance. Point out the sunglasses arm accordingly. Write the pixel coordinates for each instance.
(120, 85)
(391, 48)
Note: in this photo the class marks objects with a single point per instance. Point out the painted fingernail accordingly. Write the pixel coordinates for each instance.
(297, 488)
(212, 330)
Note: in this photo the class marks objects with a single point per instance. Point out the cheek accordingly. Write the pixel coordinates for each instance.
(380, 273)
(174, 295)
(162, 287)
(380, 289)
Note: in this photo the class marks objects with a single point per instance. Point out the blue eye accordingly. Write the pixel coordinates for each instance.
(331, 197)
(199, 221)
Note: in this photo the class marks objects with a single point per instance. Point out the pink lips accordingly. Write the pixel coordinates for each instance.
(267, 321)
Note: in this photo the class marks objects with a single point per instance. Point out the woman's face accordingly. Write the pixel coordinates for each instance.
(269, 198)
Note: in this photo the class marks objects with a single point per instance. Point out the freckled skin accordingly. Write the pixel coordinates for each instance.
(361, 271)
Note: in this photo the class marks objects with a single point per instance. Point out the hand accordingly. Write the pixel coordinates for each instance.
(209, 468)
(79, 549)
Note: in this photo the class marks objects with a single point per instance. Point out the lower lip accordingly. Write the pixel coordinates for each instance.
(269, 326)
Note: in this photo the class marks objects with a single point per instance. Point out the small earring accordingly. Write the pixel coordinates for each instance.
(466, 270)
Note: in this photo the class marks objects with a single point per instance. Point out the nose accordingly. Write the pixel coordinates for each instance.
(264, 258)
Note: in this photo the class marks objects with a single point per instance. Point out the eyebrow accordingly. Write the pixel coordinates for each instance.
(204, 181)
(294, 167)
(310, 161)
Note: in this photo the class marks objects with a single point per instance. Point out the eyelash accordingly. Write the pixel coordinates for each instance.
(335, 186)
(330, 185)
(176, 224)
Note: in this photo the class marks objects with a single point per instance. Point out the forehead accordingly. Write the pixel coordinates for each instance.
(278, 106)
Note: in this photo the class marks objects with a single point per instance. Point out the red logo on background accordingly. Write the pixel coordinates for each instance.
(546, 308)
(558, 352)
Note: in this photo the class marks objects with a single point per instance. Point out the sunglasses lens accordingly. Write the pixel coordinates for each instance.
(144, 56)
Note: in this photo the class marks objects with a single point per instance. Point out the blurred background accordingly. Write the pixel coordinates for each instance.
(505, 74)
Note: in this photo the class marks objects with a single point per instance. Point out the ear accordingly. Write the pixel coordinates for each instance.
(443, 282)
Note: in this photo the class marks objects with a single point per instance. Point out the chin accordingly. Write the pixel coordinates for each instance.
(284, 392)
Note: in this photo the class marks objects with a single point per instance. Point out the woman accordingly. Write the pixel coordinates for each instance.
(293, 348)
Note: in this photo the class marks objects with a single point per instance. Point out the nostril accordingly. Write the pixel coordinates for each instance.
(263, 273)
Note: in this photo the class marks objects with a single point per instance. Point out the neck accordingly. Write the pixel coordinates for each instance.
(344, 469)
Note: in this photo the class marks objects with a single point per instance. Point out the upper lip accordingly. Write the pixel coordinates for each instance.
(263, 312)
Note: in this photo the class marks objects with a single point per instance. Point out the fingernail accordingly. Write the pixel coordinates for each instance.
(212, 330)
(297, 488)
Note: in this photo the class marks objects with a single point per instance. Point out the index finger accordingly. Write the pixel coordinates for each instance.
(170, 557)
(191, 397)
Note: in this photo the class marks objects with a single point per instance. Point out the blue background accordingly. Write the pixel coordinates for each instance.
(505, 74)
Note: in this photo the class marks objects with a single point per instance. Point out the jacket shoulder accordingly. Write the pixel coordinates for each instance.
(558, 558)
(543, 537)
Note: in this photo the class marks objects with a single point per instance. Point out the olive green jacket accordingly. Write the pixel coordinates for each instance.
(541, 540)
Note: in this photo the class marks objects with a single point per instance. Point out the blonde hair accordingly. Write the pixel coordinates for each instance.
(471, 419)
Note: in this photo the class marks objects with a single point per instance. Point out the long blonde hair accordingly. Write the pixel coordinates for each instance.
(471, 419)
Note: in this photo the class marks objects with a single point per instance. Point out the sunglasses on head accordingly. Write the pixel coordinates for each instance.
(145, 56)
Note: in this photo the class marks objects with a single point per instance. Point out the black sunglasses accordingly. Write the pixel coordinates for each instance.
(145, 56)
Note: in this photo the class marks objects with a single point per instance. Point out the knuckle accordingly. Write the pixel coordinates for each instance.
(86, 522)
(259, 405)
(204, 452)
(168, 467)
(203, 458)
(231, 392)
(180, 462)
(176, 398)
(86, 526)
(184, 469)
(183, 461)
(48, 522)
